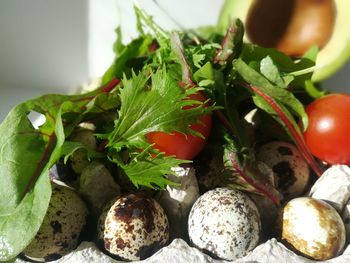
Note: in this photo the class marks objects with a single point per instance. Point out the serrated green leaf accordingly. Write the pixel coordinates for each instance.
(197, 59)
(155, 106)
(150, 171)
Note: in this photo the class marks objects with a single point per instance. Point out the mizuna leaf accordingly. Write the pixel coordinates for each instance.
(155, 106)
(144, 170)
(26, 155)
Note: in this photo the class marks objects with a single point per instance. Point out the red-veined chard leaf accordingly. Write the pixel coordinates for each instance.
(25, 158)
(283, 96)
(278, 103)
(232, 43)
(26, 155)
(244, 173)
(177, 48)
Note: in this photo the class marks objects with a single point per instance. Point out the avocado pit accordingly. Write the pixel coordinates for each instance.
(291, 26)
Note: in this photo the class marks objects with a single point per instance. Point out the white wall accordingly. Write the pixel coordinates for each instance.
(56, 45)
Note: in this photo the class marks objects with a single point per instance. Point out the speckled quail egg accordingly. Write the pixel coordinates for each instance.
(61, 228)
(313, 227)
(290, 169)
(346, 219)
(79, 158)
(224, 223)
(133, 227)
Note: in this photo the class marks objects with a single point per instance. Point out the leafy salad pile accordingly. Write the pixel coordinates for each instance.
(149, 88)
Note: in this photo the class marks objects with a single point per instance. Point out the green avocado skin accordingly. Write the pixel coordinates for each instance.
(330, 59)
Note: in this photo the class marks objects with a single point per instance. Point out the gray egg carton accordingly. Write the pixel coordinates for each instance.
(333, 187)
(179, 251)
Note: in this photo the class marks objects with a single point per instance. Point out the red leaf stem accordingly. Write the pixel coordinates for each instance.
(110, 85)
(225, 122)
(178, 49)
(296, 135)
(41, 163)
(255, 183)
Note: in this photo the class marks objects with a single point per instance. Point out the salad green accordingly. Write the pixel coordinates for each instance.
(145, 90)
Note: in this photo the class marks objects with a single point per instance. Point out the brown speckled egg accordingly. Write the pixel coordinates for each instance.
(289, 167)
(313, 227)
(133, 227)
(61, 228)
(224, 223)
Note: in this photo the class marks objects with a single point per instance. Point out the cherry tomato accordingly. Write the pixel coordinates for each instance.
(183, 146)
(328, 133)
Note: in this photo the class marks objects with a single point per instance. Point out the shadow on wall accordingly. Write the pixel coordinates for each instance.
(339, 82)
(43, 43)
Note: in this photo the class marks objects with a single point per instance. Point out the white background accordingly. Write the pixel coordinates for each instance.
(51, 46)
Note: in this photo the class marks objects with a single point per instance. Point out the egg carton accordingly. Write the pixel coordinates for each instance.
(333, 187)
(179, 251)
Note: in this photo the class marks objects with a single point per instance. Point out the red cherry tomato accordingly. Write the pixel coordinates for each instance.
(183, 146)
(328, 133)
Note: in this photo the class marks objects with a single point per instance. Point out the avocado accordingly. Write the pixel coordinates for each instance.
(293, 26)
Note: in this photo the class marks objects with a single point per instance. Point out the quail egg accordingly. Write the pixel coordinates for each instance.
(98, 187)
(290, 169)
(133, 227)
(79, 158)
(61, 228)
(224, 223)
(313, 227)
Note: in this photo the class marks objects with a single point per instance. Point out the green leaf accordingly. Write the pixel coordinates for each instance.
(26, 177)
(206, 72)
(283, 96)
(21, 225)
(197, 59)
(198, 55)
(144, 20)
(118, 45)
(156, 106)
(26, 154)
(69, 147)
(152, 172)
(271, 72)
(137, 48)
(301, 69)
